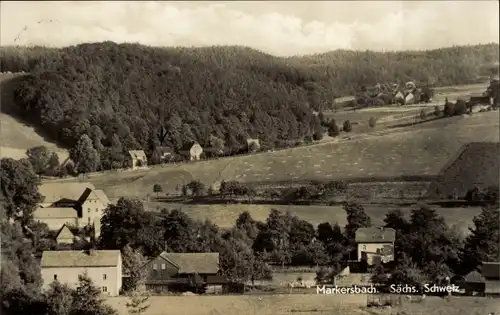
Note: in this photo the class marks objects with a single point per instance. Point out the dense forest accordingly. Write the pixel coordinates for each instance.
(120, 94)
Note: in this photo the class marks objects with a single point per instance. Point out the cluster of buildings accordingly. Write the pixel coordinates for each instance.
(67, 207)
(191, 151)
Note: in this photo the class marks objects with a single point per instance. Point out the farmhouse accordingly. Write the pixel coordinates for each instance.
(192, 150)
(376, 244)
(486, 281)
(74, 204)
(181, 271)
(164, 154)
(137, 158)
(104, 267)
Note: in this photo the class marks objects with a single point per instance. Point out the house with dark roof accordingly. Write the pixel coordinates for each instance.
(137, 159)
(375, 244)
(164, 154)
(181, 271)
(104, 267)
(485, 281)
(191, 150)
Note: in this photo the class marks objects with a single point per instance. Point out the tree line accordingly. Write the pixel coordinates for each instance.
(120, 96)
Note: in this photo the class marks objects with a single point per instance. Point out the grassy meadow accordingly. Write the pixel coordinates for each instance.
(416, 150)
(304, 304)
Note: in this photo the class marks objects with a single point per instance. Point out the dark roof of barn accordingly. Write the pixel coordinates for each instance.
(491, 270)
(201, 263)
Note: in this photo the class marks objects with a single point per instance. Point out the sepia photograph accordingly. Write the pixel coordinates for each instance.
(250, 157)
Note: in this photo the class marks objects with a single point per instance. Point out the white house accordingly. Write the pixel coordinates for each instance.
(376, 244)
(104, 267)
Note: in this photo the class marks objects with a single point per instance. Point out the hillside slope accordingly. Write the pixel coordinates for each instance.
(420, 150)
(16, 135)
(476, 164)
(230, 92)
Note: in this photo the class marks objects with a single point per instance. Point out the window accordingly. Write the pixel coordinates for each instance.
(55, 277)
(364, 247)
(104, 289)
(104, 277)
(155, 267)
(163, 266)
(96, 210)
(88, 210)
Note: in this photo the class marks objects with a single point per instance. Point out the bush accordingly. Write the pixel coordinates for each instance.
(333, 129)
(317, 136)
(347, 126)
(372, 122)
(423, 114)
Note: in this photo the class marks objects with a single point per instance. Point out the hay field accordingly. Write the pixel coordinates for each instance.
(417, 150)
(225, 215)
(15, 135)
(250, 305)
(304, 304)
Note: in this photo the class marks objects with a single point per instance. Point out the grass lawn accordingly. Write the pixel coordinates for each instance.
(304, 304)
(416, 150)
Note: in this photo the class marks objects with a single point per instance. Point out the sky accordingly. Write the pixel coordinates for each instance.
(280, 28)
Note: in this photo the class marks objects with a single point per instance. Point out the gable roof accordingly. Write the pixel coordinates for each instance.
(137, 154)
(474, 276)
(53, 192)
(375, 235)
(101, 195)
(73, 258)
(64, 232)
(94, 195)
(491, 270)
(194, 262)
(52, 212)
(251, 140)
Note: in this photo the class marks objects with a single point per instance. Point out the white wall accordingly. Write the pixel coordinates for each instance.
(69, 275)
(92, 209)
(372, 248)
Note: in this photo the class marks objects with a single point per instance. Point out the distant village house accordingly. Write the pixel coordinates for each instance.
(253, 144)
(192, 151)
(376, 244)
(137, 159)
(65, 236)
(164, 154)
(103, 267)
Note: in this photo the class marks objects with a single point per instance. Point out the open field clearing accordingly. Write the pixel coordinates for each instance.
(16, 136)
(226, 215)
(417, 150)
(304, 304)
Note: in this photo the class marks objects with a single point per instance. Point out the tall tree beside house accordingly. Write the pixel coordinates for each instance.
(484, 240)
(116, 155)
(127, 223)
(132, 261)
(19, 187)
(157, 188)
(379, 276)
(59, 299)
(356, 218)
(39, 158)
(84, 155)
(87, 299)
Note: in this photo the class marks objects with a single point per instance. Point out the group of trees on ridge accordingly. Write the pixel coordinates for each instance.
(120, 95)
(426, 249)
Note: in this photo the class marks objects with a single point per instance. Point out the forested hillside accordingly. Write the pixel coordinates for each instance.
(119, 95)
